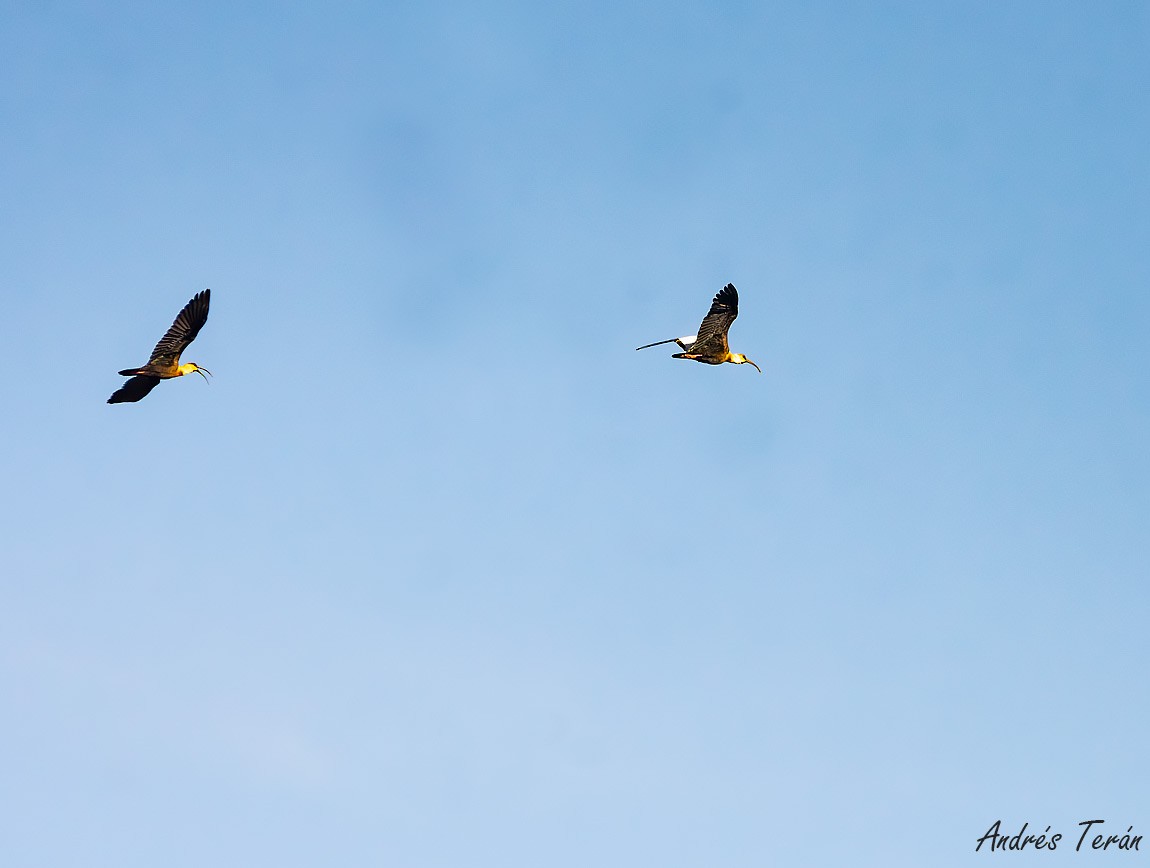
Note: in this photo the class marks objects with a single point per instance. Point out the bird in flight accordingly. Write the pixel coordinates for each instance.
(165, 360)
(709, 346)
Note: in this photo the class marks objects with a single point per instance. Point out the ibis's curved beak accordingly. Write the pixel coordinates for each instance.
(757, 368)
(202, 371)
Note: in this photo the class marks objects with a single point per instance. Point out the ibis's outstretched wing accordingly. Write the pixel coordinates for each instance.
(657, 343)
(133, 390)
(183, 331)
(712, 337)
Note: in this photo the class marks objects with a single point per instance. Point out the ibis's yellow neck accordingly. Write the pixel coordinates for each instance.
(740, 359)
(186, 368)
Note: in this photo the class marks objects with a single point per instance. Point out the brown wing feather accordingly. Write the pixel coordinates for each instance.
(133, 390)
(712, 337)
(183, 331)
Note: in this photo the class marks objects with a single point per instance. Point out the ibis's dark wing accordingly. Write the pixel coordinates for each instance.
(133, 390)
(183, 330)
(712, 337)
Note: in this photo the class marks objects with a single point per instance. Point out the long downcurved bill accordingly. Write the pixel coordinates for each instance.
(202, 371)
(757, 368)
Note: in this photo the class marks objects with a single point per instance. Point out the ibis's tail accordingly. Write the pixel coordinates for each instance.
(668, 341)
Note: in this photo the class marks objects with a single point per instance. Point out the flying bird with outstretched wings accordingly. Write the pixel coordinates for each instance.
(164, 363)
(709, 345)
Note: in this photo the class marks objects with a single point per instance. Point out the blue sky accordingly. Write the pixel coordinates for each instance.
(439, 571)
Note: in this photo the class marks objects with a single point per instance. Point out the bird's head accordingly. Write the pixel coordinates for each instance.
(192, 367)
(740, 359)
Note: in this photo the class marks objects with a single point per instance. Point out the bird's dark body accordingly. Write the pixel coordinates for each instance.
(147, 372)
(706, 360)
